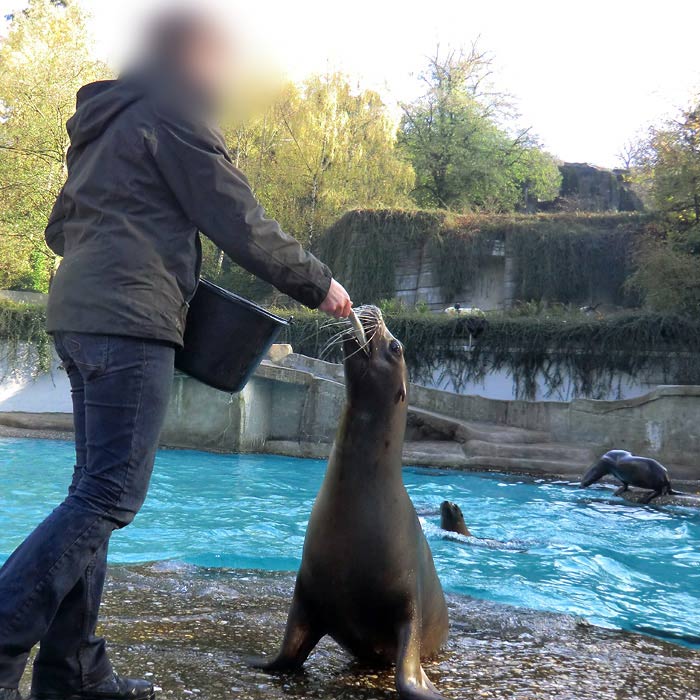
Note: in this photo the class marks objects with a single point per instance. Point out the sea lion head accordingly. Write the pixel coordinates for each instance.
(375, 369)
(602, 467)
(451, 518)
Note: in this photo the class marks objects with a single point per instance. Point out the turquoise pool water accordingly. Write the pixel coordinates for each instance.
(578, 552)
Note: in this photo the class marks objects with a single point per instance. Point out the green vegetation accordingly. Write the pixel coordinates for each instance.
(362, 248)
(43, 62)
(316, 151)
(568, 351)
(585, 353)
(666, 167)
(667, 278)
(559, 257)
(464, 157)
(25, 343)
(569, 258)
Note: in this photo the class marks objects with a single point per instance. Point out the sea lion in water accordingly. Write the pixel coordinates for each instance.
(452, 520)
(643, 472)
(367, 576)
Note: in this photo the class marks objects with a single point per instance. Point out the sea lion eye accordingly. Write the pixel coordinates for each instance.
(395, 347)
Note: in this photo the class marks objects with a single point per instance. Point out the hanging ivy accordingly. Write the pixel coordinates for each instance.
(574, 258)
(460, 248)
(572, 355)
(564, 257)
(24, 343)
(569, 352)
(363, 247)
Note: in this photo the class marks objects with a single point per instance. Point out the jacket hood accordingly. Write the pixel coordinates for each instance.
(97, 105)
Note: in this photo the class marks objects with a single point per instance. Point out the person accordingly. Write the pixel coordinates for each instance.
(147, 170)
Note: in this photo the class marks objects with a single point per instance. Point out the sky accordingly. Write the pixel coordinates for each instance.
(587, 77)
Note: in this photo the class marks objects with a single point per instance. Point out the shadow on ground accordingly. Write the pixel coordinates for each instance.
(190, 630)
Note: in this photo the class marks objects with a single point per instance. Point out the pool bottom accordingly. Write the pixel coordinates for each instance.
(191, 629)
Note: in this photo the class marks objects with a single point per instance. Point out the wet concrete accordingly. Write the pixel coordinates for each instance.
(688, 500)
(191, 629)
(8, 431)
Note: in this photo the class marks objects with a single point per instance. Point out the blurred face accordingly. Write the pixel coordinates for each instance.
(207, 61)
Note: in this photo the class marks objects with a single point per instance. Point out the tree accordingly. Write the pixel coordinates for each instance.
(320, 150)
(463, 156)
(630, 153)
(668, 166)
(667, 278)
(317, 151)
(43, 61)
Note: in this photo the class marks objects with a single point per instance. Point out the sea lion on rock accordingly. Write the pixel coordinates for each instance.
(452, 520)
(367, 576)
(643, 472)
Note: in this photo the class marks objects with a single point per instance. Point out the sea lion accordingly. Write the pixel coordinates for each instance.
(367, 576)
(643, 472)
(452, 520)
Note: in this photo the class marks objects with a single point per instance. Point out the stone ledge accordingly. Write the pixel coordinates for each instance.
(661, 391)
(37, 421)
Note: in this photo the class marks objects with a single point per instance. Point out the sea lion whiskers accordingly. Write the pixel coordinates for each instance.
(315, 333)
(366, 348)
(340, 338)
(334, 341)
(367, 319)
(356, 331)
(331, 323)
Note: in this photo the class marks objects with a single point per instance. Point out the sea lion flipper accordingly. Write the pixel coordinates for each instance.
(300, 638)
(651, 496)
(411, 680)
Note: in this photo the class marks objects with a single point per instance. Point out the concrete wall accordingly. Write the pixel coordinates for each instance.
(417, 280)
(499, 384)
(20, 391)
(664, 423)
(279, 404)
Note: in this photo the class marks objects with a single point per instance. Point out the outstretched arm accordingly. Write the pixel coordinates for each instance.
(217, 198)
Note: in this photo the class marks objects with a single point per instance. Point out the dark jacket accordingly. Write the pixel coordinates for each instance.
(146, 172)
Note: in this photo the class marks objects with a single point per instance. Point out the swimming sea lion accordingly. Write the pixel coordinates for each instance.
(644, 472)
(367, 576)
(451, 519)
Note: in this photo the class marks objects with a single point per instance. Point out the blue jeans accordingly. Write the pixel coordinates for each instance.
(51, 586)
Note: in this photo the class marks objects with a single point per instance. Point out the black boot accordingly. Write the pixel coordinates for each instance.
(10, 694)
(115, 688)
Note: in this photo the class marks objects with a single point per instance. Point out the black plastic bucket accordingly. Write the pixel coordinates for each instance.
(226, 337)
